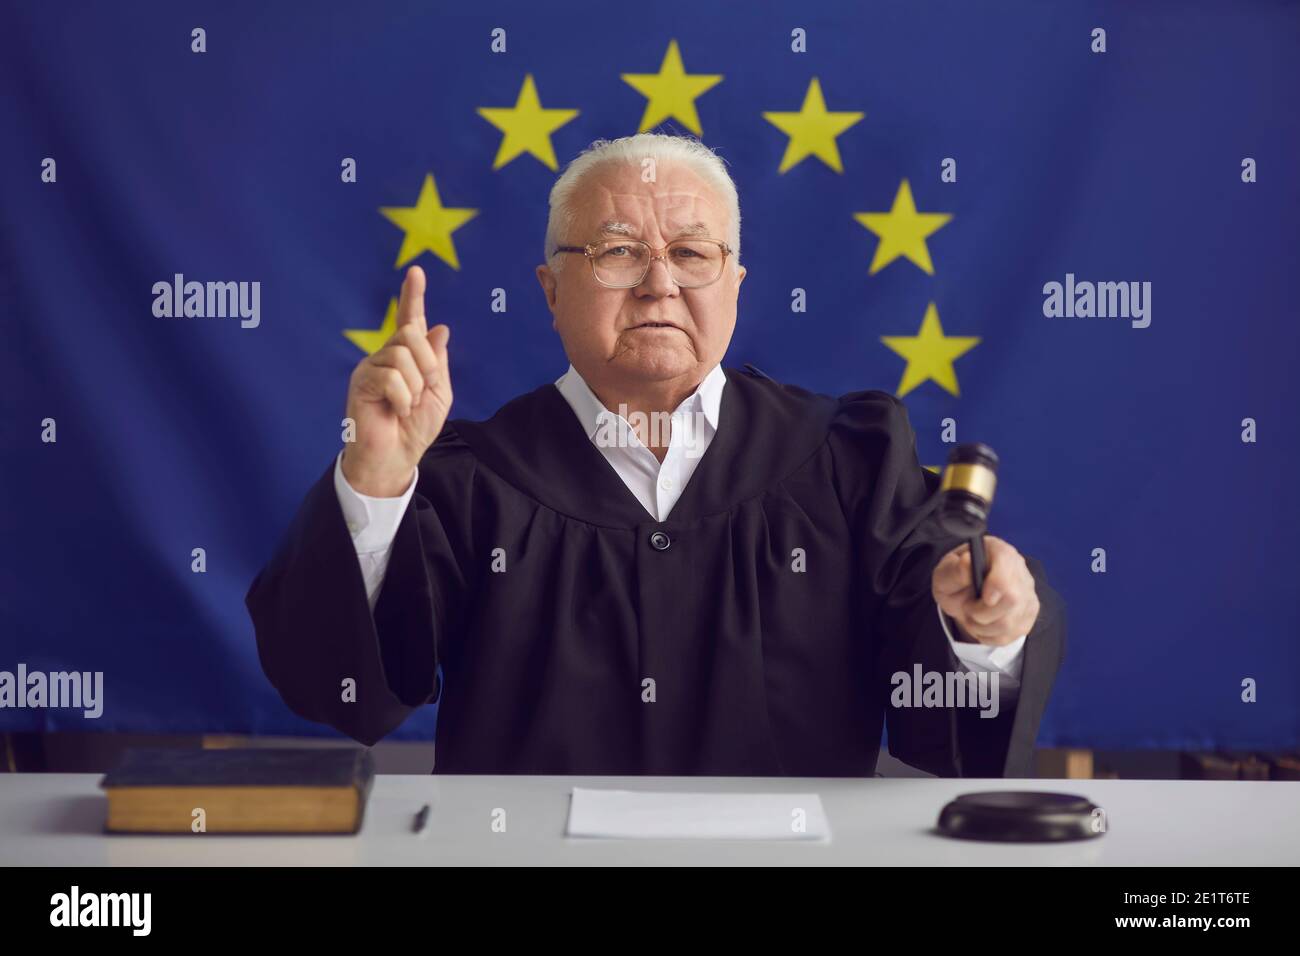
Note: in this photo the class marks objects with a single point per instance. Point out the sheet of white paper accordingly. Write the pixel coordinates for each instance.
(632, 814)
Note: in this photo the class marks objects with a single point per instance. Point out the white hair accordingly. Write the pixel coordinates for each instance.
(634, 150)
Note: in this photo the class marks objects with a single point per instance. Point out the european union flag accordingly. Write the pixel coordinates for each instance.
(1068, 232)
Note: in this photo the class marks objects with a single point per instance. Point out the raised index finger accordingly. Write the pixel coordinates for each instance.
(410, 307)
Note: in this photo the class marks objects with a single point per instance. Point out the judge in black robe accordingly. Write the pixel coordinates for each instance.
(529, 575)
(563, 629)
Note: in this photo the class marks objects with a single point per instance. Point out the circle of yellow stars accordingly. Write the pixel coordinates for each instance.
(812, 132)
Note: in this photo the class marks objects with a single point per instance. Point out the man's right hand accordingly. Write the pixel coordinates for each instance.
(399, 398)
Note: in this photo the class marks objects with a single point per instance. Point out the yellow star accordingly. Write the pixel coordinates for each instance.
(371, 341)
(902, 231)
(930, 353)
(428, 225)
(812, 130)
(671, 91)
(527, 126)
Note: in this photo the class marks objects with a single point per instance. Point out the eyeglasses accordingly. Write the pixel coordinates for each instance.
(623, 263)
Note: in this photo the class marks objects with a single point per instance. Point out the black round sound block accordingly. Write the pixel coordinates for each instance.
(1022, 816)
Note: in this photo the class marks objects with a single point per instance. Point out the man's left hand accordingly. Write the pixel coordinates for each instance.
(1008, 602)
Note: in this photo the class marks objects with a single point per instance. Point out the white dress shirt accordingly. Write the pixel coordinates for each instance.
(373, 522)
(693, 425)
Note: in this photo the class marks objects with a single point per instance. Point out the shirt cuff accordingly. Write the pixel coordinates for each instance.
(1007, 660)
(373, 522)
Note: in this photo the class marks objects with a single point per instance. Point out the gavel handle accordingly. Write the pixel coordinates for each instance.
(978, 563)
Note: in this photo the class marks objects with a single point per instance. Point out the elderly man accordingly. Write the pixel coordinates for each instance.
(653, 565)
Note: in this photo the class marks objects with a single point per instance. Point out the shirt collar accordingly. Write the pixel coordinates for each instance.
(706, 398)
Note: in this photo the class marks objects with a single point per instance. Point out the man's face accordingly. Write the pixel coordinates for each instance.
(605, 331)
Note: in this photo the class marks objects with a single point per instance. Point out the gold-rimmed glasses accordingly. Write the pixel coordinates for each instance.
(623, 263)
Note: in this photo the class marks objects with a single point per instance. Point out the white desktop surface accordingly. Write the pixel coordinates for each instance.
(57, 820)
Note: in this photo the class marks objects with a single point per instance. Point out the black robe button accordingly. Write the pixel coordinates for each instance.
(660, 541)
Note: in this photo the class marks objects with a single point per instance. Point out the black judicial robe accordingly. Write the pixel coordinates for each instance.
(527, 570)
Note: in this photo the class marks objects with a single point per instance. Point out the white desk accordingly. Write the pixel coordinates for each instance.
(57, 820)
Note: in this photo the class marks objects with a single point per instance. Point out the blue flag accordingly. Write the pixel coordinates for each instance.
(1068, 233)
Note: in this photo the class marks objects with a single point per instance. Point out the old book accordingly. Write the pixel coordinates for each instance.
(239, 791)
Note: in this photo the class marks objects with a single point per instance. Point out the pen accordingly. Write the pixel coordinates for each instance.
(421, 819)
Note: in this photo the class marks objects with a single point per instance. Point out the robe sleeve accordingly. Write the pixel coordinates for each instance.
(315, 630)
(890, 502)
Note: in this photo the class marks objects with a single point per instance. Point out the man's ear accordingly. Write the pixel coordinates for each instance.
(547, 279)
